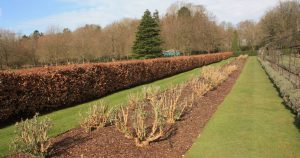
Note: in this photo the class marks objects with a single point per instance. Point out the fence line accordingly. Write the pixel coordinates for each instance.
(285, 61)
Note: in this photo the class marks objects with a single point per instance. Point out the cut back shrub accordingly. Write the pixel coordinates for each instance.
(96, 117)
(227, 70)
(199, 87)
(122, 120)
(172, 108)
(32, 136)
(213, 76)
(242, 57)
(154, 114)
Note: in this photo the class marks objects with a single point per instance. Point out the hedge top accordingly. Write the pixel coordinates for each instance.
(53, 69)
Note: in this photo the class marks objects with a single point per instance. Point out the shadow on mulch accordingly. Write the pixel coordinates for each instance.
(59, 148)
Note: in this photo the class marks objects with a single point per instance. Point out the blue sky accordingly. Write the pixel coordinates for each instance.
(25, 16)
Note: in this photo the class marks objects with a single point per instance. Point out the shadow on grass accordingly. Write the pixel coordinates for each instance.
(297, 123)
(296, 119)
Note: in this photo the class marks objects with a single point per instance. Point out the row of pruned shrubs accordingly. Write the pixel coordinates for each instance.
(288, 91)
(145, 118)
(151, 116)
(23, 93)
(211, 77)
(243, 56)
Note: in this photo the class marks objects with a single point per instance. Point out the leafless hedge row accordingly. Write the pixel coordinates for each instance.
(23, 93)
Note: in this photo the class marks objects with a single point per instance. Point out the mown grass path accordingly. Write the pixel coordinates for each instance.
(251, 122)
(66, 119)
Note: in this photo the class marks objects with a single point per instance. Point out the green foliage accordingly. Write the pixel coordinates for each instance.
(148, 41)
(235, 47)
(32, 136)
(184, 12)
(36, 34)
(156, 16)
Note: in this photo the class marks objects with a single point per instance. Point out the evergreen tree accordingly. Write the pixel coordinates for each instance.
(235, 47)
(184, 12)
(156, 16)
(36, 34)
(148, 41)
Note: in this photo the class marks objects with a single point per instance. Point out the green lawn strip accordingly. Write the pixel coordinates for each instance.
(251, 122)
(66, 119)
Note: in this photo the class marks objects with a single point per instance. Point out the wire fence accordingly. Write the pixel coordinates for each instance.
(285, 61)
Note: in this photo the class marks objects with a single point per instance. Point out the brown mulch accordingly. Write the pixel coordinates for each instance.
(109, 142)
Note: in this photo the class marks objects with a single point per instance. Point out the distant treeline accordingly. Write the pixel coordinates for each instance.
(185, 27)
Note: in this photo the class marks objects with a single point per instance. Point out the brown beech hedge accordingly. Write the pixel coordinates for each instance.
(25, 92)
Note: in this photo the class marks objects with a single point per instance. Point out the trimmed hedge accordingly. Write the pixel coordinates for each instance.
(25, 92)
(289, 93)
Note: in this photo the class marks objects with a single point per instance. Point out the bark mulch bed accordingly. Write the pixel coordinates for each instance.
(109, 142)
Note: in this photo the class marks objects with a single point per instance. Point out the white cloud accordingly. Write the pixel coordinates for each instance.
(229, 10)
(104, 12)
(93, 12)
(71, 19)
(238, 10)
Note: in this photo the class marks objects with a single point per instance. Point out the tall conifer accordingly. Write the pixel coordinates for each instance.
(148, 41)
